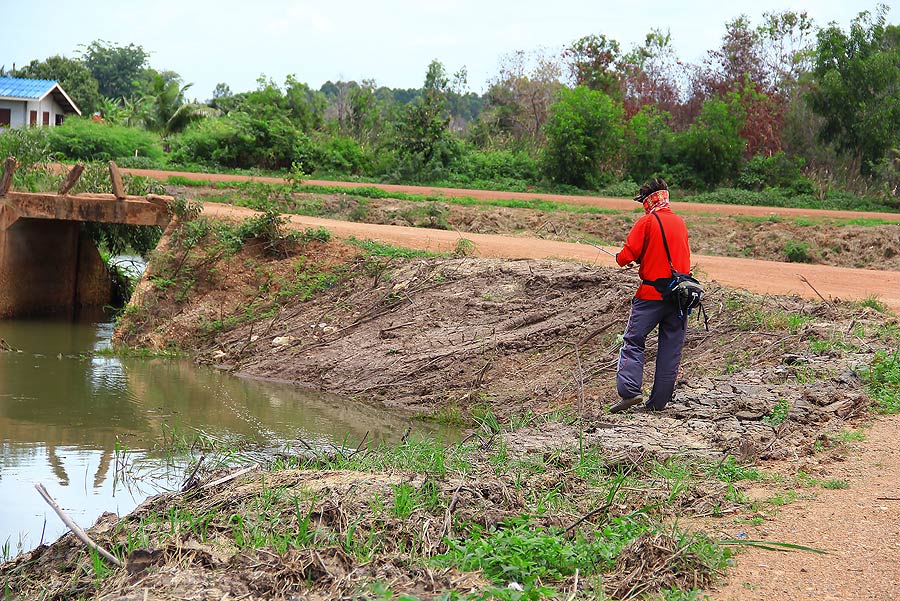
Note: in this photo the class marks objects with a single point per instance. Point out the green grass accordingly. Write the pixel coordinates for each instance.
(835, 484)
(873, 302)
(850, 436)
(779, 197)
(519, 551)
(868, 222)
(180, 180)
(835, 345)
(752, 317)
(729, 470)
(262, 195)
(883, 381)
(380, 249)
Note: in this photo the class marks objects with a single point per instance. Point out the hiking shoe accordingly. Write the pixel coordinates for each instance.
(623, 404)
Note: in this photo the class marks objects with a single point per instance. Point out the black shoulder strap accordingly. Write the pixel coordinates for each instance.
(665, 243)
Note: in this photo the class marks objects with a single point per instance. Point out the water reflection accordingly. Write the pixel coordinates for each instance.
(64, 411)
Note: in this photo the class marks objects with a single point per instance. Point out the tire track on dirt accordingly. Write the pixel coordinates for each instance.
(619, 204)
(765, 277)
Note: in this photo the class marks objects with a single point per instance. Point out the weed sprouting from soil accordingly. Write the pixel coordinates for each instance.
(873, 302)
(883, 380)
(779, 413)
(836, 484)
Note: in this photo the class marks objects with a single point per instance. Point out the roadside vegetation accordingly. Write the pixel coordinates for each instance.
(774, 115)
(478, 519)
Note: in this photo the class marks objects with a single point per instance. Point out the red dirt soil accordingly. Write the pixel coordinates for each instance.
(769, 277)
(859, 527)
(621, 204)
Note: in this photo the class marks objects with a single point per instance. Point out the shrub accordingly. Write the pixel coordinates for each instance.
(339, 154)
(623, 189)
(422, 168)
(778, 170)
(32, 150)
(797, 252)
(29, 146)
(133, 162)
(84, 140)
(585, 131)
(495, 165)
(709, 151)
(240, 140)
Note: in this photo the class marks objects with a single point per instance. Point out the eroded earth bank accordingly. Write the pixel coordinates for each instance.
(544, 494)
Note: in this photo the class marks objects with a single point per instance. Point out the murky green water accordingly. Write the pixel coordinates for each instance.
(66, 415)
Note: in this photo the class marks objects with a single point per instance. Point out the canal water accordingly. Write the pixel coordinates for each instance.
(102, 433)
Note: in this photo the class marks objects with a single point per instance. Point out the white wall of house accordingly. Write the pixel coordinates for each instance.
(20, 111)
(47, 105)
(17, 114)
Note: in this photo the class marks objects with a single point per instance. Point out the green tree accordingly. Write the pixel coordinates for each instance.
(423, 126)
(304, 106)
(856, 87)
(117, 69)
(709, 152)
(168, 112)
(593, 63)
(72, 74)
(361, 118)
(584, 133)
(647, 137)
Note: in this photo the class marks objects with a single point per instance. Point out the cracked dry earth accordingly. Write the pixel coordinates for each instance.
(858, 526)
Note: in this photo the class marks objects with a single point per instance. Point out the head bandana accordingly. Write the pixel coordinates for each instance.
(657, 200)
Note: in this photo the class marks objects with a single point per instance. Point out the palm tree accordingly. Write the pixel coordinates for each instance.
(168, 113)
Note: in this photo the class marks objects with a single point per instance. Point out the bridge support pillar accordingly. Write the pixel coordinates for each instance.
(48, 266)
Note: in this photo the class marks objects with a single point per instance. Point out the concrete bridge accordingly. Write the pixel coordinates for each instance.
(47, 265)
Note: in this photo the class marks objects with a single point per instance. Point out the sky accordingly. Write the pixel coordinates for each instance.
(390, 41)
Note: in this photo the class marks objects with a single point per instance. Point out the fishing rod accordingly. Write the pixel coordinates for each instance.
(600, 248)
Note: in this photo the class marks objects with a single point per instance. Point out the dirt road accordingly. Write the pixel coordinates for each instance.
(622, 204)
(858, 526)
(769, 277)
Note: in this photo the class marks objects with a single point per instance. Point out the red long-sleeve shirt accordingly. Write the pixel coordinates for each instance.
(645, 243)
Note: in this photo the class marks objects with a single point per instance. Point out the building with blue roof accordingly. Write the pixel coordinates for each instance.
(33, 103)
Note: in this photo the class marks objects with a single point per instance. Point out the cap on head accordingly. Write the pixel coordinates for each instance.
(654, 185)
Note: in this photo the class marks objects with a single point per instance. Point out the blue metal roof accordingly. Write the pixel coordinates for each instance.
(13, 87)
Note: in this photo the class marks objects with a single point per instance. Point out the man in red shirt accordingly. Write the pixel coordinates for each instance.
(648, 310)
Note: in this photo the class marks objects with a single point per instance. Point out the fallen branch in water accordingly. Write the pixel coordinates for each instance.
(75, 528)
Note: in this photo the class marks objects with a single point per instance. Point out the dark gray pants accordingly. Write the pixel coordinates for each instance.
(646, 315)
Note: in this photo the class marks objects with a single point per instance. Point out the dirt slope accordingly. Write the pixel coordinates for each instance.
(859, 526)
(768, 277)
(448, 335)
